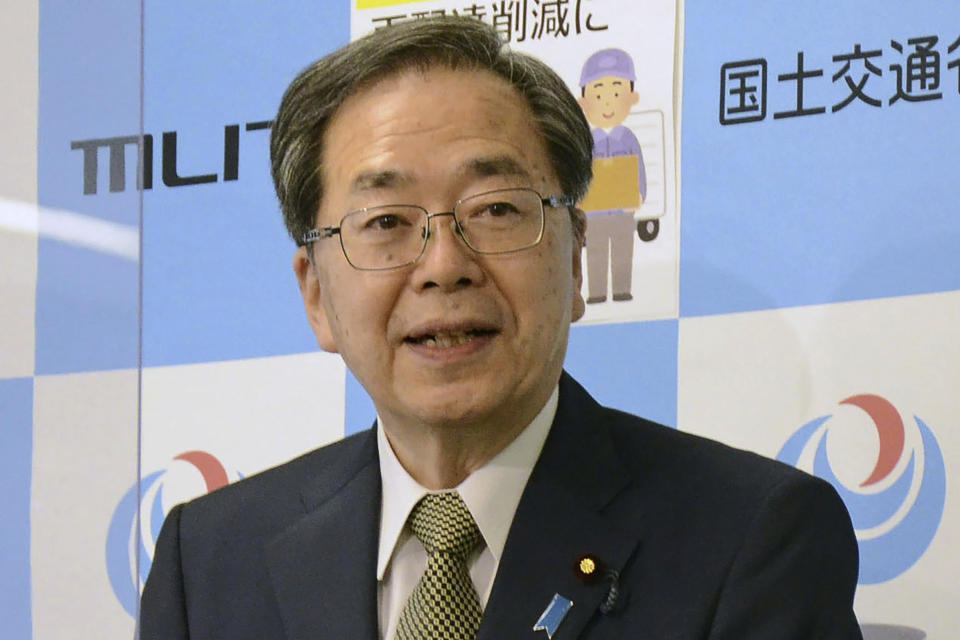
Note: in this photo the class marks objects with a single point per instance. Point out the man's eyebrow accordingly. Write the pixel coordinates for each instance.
(617, 82)
(496, 166)
(484, 167)
(378, 179)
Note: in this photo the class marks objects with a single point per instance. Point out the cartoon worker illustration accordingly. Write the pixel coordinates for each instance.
(619, 178)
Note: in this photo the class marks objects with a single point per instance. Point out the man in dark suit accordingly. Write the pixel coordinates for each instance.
(430, 177)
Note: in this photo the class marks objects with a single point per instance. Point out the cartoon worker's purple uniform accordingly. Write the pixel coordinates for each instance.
(606, 100)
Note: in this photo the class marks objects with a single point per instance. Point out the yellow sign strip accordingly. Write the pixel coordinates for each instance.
(374, 4)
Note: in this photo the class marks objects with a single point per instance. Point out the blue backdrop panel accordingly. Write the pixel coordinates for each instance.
(16, 453)
(218, 284)
(89, 90)
(781, 209)
(86, 310)
(359, 411)
(630, 366)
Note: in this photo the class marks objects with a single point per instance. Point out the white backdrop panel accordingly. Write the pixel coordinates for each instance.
(18, 287)
(249, 414)
(84, 460)
(754, 379)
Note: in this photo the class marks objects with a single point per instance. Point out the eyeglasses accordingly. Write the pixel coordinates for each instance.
(394, 236)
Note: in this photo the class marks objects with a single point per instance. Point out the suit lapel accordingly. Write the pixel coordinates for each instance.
(577, 501)
(331, 552)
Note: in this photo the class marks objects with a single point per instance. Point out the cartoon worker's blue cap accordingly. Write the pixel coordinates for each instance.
(607, 62)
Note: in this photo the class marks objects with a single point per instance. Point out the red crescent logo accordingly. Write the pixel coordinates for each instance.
(209, 467)
(889, 426)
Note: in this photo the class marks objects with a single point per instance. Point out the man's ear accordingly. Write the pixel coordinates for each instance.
(312, 294)
(579, 220)
(634, 98)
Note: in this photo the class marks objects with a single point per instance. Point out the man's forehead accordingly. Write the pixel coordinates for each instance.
(489, 127)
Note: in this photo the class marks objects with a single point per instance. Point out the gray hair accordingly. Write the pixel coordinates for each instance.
(315, 95)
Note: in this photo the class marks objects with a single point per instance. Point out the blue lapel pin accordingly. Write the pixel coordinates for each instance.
(553, 615)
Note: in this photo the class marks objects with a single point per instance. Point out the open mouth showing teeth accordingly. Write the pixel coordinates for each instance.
(450, 338)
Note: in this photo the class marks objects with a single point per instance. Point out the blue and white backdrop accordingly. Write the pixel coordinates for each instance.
(796, 292)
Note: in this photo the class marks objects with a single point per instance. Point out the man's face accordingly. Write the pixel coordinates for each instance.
(457, 337)
(607, 101)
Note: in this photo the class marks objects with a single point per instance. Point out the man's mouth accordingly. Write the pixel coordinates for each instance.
(446, 339)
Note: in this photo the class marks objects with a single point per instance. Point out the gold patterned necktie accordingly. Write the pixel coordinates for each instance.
(444, 605)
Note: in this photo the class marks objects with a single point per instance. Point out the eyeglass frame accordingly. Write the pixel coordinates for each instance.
(321, 233)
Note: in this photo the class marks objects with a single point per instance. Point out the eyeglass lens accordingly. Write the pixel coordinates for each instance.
(395, 235)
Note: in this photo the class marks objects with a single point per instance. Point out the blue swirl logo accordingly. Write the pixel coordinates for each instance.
(131, 540)
(896, 509)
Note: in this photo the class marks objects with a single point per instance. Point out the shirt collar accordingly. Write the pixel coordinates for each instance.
(491, 493)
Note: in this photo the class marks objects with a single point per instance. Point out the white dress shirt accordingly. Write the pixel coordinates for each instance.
(491, 493)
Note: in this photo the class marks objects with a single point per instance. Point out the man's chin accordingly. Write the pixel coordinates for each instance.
(458, 404)
(453, 413)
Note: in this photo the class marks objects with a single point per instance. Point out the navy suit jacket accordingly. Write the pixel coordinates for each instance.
(708, 542)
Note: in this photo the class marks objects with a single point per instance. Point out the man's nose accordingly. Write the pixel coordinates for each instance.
(447, 262)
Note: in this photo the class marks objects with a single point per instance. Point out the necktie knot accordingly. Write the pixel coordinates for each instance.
(442, 523)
